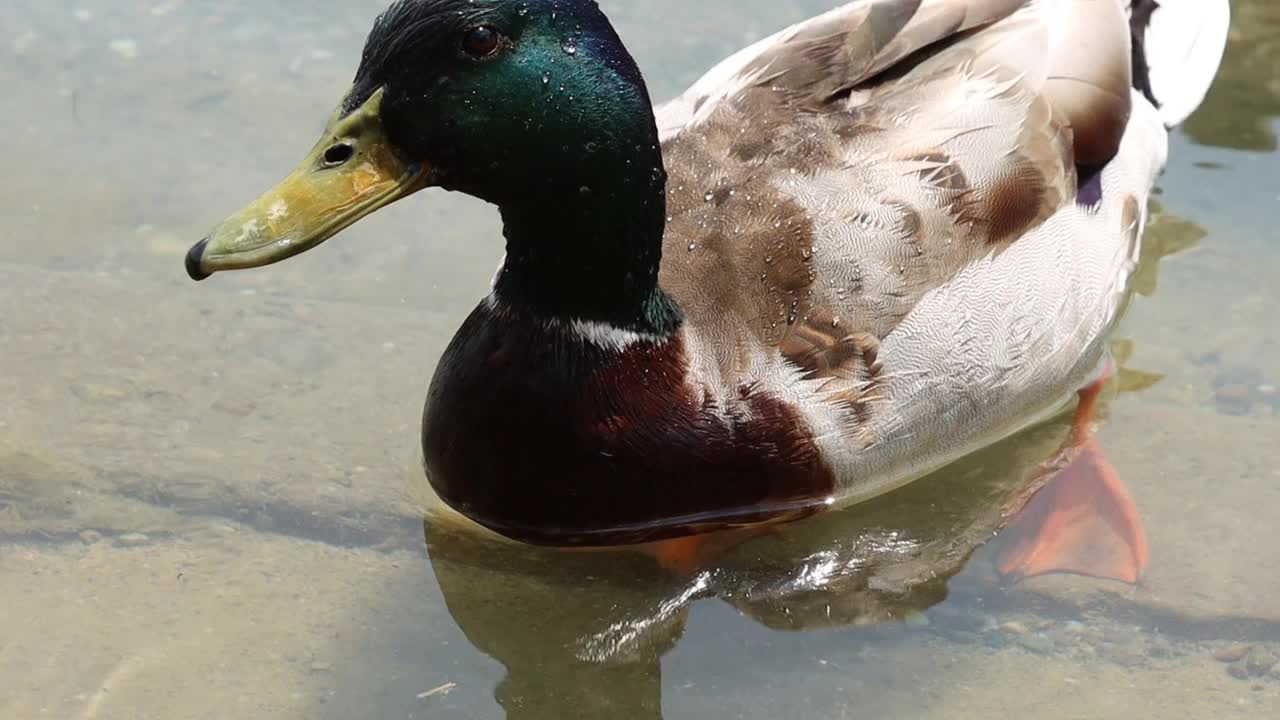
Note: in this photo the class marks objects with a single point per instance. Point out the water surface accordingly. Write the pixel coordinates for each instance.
(210, 498)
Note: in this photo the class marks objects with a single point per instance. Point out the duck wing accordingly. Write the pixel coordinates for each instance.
(845, 198)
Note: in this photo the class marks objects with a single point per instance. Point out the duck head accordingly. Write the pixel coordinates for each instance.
(533, 105)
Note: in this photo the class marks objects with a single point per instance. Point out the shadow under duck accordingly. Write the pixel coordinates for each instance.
(851, 253)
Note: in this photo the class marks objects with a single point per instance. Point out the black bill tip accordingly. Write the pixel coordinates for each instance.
(193, 261)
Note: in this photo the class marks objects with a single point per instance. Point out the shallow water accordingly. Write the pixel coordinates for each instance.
(210, 498)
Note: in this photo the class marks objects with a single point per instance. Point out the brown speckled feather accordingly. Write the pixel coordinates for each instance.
(825, 180)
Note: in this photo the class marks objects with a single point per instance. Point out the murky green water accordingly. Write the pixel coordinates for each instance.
(210, 498)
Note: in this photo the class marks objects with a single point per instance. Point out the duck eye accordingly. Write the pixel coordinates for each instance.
(481, 42)
(338, 154)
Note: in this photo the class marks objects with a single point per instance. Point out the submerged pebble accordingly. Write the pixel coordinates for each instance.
(1231, 654)
(133, 539)
(1014, 627)
(90, 537)
(1238, 672)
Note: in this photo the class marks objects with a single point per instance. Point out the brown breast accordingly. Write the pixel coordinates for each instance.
(543, 437)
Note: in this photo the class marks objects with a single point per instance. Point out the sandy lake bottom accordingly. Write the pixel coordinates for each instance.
(210, 498)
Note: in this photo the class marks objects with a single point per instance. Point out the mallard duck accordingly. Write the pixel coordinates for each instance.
(853, 252)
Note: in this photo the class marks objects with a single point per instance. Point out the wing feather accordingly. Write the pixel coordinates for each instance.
(824, 180)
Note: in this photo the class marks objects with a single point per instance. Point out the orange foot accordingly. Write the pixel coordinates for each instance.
(686, 555)
(1082, 518)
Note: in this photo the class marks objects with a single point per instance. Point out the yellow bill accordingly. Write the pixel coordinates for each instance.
(350, 173)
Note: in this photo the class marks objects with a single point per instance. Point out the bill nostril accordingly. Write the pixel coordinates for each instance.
(338, 154)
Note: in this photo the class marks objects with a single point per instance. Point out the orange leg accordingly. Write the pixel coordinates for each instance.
(1081, 517)
(686, 555)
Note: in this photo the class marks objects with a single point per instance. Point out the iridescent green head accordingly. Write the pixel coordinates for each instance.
(533, 105)
(499, 93)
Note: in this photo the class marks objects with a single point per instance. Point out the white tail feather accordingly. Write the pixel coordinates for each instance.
(1184, 44)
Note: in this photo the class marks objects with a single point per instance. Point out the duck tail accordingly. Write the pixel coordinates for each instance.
(1177, 47)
